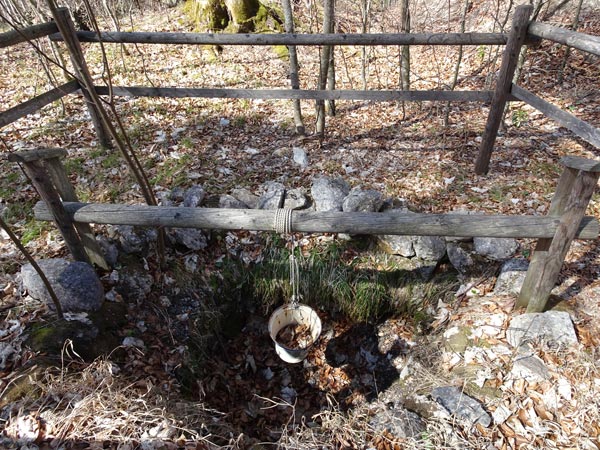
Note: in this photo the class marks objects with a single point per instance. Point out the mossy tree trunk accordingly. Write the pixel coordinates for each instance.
(234, 16)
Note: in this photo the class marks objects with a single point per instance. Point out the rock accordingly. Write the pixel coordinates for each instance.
(272, 197)
(398, 245)
(190, 262)
(497, 249)
(362, 201)
(398, 421)
(295, 199)
(177, 194)
(459, 257)
(109, 249)
(76, 285)
(134, 285)
(553, 327)
(457, 339)
(430, 248)
(194, 196)
(228, 201)
(530, 368)
(461, 405)
(133, 342)
(191, 238)
(245, 196)
(134, 239)
(329, 194)
(512, 276)
(300, 157)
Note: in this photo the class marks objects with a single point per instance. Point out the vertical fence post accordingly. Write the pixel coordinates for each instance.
(67, 29)
(36, 171)
(503, 85)
(573, 193)
(59, 177)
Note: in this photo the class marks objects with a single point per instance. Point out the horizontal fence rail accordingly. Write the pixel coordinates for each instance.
(32, 105)
(579, 127)
(26, 34)
(322, 222)
(445, 96)
(291, 38)
(575, 39)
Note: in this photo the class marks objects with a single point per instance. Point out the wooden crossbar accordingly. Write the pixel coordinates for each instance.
(321, 222)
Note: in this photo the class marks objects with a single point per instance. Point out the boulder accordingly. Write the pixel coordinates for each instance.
(555, 328)
(194, 196)
(460, 258)
(76, 285)
(512, 276)
(398, 245)
(191, 238)
(295, 199)
(229, 201)
(396, 420)
(362, 201)
(461, 405)
(329, 194)
(430, 248)
(245, 196)
(272, 197)
(133, 239)
(300, 157)
(497, 249)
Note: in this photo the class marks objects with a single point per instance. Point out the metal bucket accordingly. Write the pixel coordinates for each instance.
(294, 315)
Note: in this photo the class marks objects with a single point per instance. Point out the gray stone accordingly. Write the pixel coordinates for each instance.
(398, 245)
(229, 201)
(530, 368)
(191, 238)
(135, 286)
(109, 249)
(362, 201)
(134, 239)
(295, 199)
(272, 197)
(177, 194)
(553, 327)
(430, 248)
(497, 249)
(194, 196)
(461, 405)
(244, 195)
(459, 257)
(511, 278)
(398, 421)
(300, 157)
(76, 285)
(329, 194)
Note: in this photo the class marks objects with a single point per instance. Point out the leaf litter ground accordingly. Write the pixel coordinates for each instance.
(224, 144)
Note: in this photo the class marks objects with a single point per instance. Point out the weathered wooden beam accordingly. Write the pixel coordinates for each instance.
(40, 179)
(67, 31)
(565, 119)
(291, 39)
(14, 37)
(581, 41)
(432, 96)
(580, 163)
(510, 58)
(59, 177)
(321, 222)
(38, 154)
(32, 105)
(571, 200)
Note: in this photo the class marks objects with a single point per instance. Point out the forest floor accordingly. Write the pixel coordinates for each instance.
(403, 150)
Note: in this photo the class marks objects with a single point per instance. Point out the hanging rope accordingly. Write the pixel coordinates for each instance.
(282, 223)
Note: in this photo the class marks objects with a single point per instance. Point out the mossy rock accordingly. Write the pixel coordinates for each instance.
(90, 340)
(25, 381)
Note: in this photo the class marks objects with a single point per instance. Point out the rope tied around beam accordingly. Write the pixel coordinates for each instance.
(282, 222)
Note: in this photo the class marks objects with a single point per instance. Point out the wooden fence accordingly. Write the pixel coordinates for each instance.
(523, 32)
(555, 232)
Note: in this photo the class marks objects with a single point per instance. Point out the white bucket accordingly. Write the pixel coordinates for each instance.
(294, 315)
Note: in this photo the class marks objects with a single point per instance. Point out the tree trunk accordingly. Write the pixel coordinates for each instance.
(294, 78)
(404, 49)
(329, 8)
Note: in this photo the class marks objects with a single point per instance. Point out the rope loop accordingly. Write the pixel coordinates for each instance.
(282, 222)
